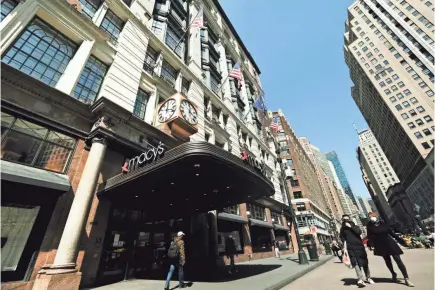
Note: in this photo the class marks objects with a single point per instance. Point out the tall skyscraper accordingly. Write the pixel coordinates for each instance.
(333, 157)
(383, 172)
(365, 205)
(331, 196)
(389, 49)
(345, 200)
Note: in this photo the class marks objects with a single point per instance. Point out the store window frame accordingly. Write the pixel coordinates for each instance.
(91, 77)
(43, 142)
(7, 7)
(112, 25)
(140, 104)
(37, 63)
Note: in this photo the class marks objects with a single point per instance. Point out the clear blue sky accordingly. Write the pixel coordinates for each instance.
(298, 46)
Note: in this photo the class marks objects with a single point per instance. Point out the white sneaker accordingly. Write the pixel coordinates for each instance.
(370, 281)
(361, 283)
(409, 283)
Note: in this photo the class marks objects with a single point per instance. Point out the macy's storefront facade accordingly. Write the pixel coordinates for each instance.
(88, 207)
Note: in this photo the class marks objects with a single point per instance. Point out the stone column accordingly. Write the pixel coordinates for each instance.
(101, 12)
(213, 235)
(70, 77)
(194, 53)
(247, 246)
(65, 260)
(151, 107)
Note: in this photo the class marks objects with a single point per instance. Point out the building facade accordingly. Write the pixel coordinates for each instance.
(365, 205)
(345, 200)
(384, 174)
(333, 158)
(329, 190)
(118, 130)
(378, 194)
(389, 49)
(307, 198)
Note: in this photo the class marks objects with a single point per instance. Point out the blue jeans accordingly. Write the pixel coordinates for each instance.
(180, 274)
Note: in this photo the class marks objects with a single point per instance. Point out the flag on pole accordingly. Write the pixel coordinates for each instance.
(199, 19)
(259, 104)
(274, 125)
(236, 73)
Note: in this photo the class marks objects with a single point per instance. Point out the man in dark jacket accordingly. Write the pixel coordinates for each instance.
(380, 238)
(351, 235)
(230, 251)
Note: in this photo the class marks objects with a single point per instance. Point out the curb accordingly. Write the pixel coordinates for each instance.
(289, 280)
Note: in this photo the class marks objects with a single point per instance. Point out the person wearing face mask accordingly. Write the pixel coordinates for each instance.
(380, 239)
(351, 234)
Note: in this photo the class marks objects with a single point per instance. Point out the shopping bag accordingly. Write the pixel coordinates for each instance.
(346, 258)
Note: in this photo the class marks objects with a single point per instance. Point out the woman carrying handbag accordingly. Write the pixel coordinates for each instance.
(350, 235)
(380, 238)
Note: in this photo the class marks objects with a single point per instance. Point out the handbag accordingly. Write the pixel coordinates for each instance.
(346, 258)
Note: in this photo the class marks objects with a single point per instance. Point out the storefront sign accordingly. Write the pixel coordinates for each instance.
(254, 163)
(144, 158)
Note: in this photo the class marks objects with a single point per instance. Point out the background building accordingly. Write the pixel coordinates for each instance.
(346, 202)
(365, 205)
(307, 197)
(331, 196)
(389, 49)
(333, 157)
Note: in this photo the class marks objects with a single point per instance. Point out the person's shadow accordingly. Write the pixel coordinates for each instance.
(186, 285)
(352, 281)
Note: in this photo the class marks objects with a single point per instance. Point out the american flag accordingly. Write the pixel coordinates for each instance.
(274, 125)
(236, 73)
(199, 19)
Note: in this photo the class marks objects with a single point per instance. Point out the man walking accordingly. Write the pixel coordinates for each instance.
(230, 251)
(335, 247)
(177, 259)
(276, 245)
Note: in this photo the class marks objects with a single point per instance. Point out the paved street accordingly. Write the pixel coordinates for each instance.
(264, 274)
(335, 276)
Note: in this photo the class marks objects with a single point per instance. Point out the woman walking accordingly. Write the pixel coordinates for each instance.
(351, 234)
(380, 238)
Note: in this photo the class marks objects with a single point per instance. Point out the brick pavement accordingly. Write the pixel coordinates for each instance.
(264, 274)
(335, 276)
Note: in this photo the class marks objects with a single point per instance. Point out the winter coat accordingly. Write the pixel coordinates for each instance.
(380, 238)
(354, 244)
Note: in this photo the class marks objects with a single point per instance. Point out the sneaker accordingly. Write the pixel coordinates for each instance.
(361, 283)
(370, 281)
(409, 283)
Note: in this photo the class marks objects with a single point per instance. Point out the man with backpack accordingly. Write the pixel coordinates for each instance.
(177, 259)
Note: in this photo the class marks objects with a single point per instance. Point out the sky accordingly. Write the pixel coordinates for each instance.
(298, 46)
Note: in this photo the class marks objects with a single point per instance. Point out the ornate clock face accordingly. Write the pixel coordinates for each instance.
(167, 110)
(188, 112)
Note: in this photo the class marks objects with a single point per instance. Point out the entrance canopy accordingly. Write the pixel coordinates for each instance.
(192, 178)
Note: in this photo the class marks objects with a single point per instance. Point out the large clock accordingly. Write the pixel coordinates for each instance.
(177, 116)
(189, 112)
(167, 110)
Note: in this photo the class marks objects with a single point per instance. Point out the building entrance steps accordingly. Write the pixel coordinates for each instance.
(264, 274)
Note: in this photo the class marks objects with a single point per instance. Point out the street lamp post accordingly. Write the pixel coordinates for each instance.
(303, 260)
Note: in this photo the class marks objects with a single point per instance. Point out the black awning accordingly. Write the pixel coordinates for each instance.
(232, 217)
(193, 177)
(280, 228)
(258, 223)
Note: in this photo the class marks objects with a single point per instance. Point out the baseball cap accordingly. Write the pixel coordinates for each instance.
(179, 234)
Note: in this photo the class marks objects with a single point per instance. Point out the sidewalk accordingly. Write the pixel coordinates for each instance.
(264, 274)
